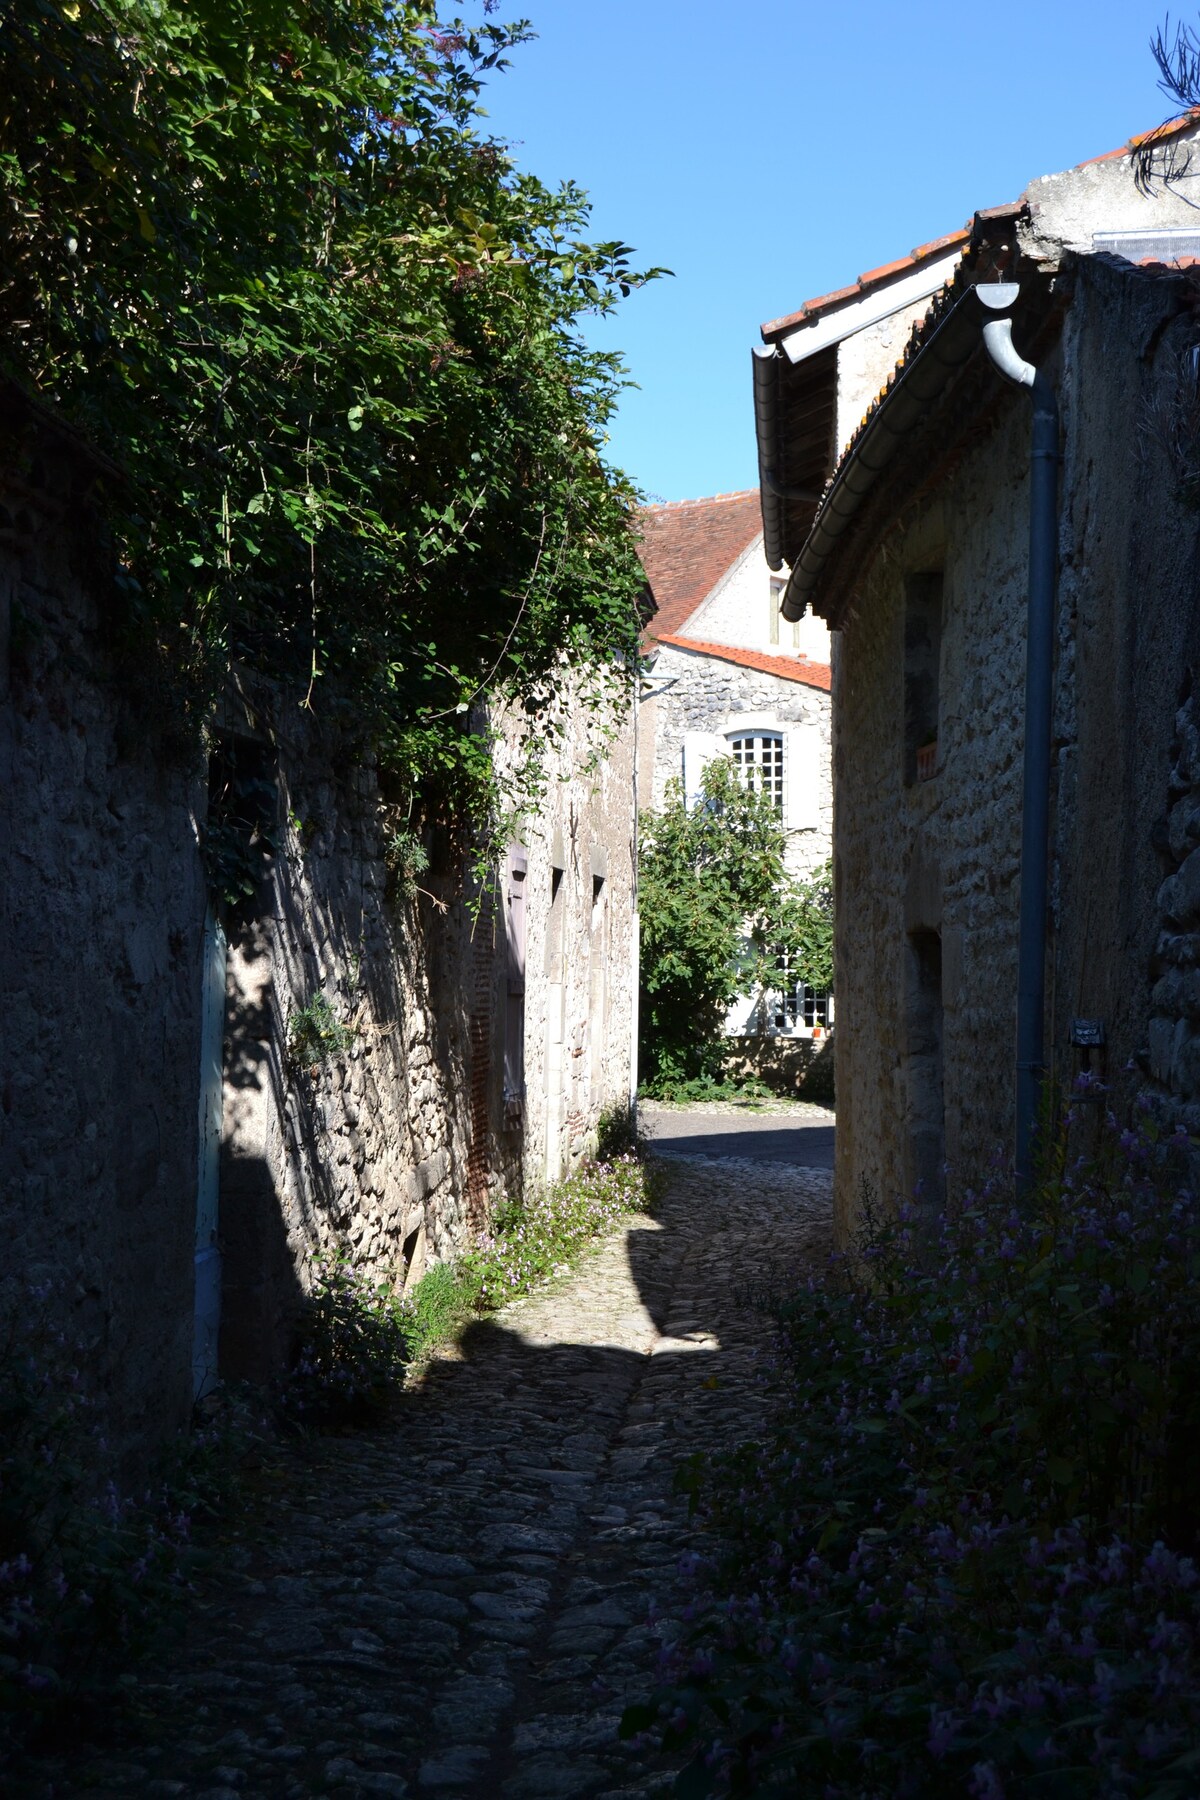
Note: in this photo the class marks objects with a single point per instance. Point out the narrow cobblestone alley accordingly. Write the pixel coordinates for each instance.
(462, 1603)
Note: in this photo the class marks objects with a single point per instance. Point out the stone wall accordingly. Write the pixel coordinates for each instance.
(1129, 652)
(800, 1068)
(582, 932)
(102, 910)
(387, 1068)
(346, 1122)
(938, 856)
(1173, 1046)
(441, 1086)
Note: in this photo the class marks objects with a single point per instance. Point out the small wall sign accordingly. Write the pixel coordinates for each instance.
(1087, 1034)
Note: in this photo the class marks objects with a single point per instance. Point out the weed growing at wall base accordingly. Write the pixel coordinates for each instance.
(960, 1564)
(359, 1337)
(527, 1243)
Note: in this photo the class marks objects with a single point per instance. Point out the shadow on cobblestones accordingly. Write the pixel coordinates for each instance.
(461, 1602)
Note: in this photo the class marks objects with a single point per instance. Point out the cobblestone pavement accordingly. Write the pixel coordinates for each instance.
(787, 1132)
(460, 1605)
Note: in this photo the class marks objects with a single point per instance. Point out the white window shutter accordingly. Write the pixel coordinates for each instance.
(803, 778)
(699, 749)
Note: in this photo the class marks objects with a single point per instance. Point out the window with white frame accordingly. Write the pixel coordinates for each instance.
(774, 602)
(796, 1005)
(758, 759)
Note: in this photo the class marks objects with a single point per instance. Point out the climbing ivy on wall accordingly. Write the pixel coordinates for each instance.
(263, 254)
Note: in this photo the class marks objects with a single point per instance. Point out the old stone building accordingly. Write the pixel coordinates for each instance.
(199, 1098)
(919, 556)
(726, 676)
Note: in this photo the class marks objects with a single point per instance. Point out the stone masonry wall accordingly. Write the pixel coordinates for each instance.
(1173, 1048)
(390, 1136)
(392, 1145)
(101, 924)
(360, 1144)
(582, 930)
(938, 856)
(942, 856)
(1130, 649)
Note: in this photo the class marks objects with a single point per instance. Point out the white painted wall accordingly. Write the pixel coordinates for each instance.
(743, 610)
(865, 361)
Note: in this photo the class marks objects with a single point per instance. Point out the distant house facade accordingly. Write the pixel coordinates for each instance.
(917, 553)
(729, 677)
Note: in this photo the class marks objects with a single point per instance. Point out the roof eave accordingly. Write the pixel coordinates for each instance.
(955, 340)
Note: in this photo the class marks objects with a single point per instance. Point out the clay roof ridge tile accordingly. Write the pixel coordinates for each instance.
(1156, 134)
(701, 500)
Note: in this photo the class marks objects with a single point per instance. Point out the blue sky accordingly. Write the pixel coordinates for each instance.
(769, 154)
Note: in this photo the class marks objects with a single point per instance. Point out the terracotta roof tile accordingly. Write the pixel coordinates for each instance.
(1167, 129)
(936, 245)
(881, 273)
(788, 668)
(812, 309)
(686, 547)
(823, 303)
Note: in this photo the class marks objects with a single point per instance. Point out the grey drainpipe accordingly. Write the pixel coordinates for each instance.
(1039, 668)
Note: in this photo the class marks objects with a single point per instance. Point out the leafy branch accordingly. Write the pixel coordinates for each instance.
(263, 255)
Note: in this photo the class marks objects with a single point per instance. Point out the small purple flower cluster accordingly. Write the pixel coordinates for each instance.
(961, 1563)
(353, 1350)
(529, 1243)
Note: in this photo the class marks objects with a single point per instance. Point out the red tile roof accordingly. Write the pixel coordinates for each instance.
(1165, 130)
(687, 545)
(812, 309)
(789, 668)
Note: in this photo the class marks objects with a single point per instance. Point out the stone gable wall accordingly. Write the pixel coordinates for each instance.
(706, 694)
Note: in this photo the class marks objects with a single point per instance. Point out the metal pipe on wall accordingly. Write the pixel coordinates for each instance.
(1039, 702)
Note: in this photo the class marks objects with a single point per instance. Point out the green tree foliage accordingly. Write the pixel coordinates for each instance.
(717, 906)
(261, 254)
(802, 925)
